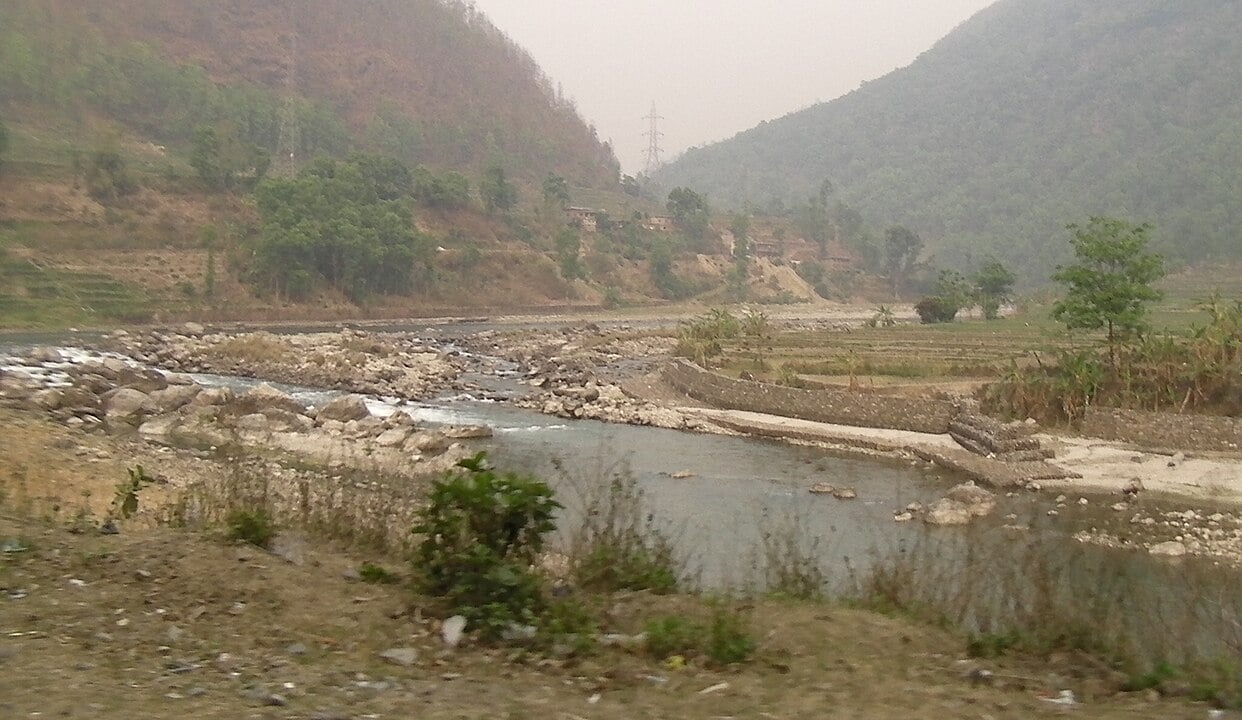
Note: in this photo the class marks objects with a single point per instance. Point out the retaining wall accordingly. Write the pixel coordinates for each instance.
(840, 407)
(1164, 430)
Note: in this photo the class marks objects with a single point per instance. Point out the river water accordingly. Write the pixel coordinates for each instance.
(729, 492)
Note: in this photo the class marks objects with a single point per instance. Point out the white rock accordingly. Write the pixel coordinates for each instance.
(1168, 549)
(452, 630)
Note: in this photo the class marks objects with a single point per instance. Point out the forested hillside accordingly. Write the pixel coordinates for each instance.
(1031, 115)
(427, 81)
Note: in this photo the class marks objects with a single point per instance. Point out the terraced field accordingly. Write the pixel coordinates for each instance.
(32, 295)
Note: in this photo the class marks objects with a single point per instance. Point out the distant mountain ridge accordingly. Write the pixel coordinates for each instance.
(1030, 115)
(431, 80)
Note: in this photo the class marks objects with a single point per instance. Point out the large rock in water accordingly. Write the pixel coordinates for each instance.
(977, 500)
(266, 397)
(344, 409)
(947, 512)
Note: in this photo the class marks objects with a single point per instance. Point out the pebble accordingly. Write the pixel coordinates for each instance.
(296, 649)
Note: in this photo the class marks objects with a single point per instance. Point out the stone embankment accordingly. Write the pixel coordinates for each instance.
(114, 397)
(982, 449)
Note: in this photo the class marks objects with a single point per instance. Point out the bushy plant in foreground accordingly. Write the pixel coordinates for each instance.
(480, 534)
(724, 640)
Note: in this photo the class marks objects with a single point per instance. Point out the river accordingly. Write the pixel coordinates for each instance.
(717, 496)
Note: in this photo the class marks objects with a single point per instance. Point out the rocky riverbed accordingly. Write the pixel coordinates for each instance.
(577, 371)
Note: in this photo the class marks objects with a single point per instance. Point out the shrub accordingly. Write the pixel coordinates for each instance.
(480, 534)
(672, 635)
(377, 575)
(617, 547)
(728, 640)
(253, 527)
(936, 309)
(725, 640)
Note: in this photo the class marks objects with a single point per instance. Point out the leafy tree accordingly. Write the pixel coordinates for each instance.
(388, 177)
(568, 247)
(952, 294)
(630, 186)
(108, 177)
(332, 224)
(690, 211)
(498, 193)
(901, 251)
(555, 190)
(1111, 283)
(993, 287)
(222, 159)
(449, 191)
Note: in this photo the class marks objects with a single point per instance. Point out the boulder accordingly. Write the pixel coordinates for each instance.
(977, 500)
(947, 512)
(141, 379)
(1171, 548)
(49, 399)
(16, 387)
(344, 409)
(467, 432)
(125, 404)
(193, 329)
(254, 423)
(265, 397)
(214, 396)
(393, 437)
(80, 401)
(429, 443)
(172, 398)
(45, 355)
(158, 427)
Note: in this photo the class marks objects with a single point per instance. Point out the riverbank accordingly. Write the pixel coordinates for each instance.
(148, 621)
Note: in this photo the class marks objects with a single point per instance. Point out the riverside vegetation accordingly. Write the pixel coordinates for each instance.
(535, 614)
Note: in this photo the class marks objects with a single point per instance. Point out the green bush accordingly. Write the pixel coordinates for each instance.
(253, 527)
(672, 635)
(728, 641)
(936, 309)
(377, 575)
(480, 534)
(725, 640)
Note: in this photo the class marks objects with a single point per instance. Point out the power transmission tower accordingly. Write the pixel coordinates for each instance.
(653, 136)
(290, 129)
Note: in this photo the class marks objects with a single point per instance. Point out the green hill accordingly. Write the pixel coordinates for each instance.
(428, 81)
(1031, 115)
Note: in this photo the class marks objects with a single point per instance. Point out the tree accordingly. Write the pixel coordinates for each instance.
(108, 177)
(690, 211)
(952, 294)
(555, 190)
(901, 250)
(222, 160)
(568, 249)
(1111, 283)
(498, 193)
(993, 287)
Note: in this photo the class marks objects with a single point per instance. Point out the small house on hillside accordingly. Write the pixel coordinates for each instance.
(658, 223)
(584, 218)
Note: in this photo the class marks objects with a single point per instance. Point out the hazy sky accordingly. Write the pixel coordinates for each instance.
(715, 67)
